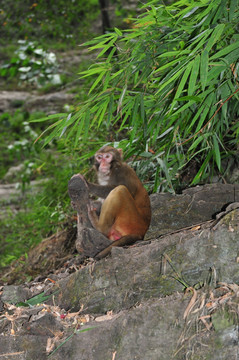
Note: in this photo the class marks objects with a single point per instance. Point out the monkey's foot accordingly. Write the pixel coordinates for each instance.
(79, 194)
(90, 242)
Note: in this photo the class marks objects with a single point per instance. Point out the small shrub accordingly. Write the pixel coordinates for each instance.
(32, 64)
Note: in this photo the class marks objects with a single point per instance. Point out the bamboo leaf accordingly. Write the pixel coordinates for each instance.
(106, 48)
(173, 53)
(207, 107)
(225, 51)
(55, 133)
(142, 109)
(197, 99)
(216, 152)
(232, 56)
(216, 34)
(96, 82)
(165, 132)
(168, 64)
(110, 111)
(125, 113)
(201, 43)
(112, 52)
(106, 80)
(182, 83)
(79, 130)
(118, 32)
(174, 77)
(165, 170)
(216, 71)
(107, 38)
(134, 121)
(196, 143)
(192, 11)
(204, 69)
(232, 9)
(121, 98)
(104, 108)
(47, 129)
(202, 168)
(49, 117)
(194, 75)
(86, 125)
(184, 107)
(92, 71)
(225, 91)
(119, 72)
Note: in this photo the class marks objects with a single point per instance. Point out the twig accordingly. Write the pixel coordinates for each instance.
(191, 303)
(12, 354)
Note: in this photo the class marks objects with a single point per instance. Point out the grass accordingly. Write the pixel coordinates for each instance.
(47, 208)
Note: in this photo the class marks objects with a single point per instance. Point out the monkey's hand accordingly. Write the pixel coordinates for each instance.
(82, 179)
(94, 219)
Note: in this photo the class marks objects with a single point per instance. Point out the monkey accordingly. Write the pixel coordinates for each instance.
(125, 213)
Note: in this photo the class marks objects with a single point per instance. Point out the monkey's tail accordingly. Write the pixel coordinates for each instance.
(124, 240)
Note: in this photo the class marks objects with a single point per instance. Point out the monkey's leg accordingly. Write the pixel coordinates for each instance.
(119, 215)
(89, 241)
(120, 220)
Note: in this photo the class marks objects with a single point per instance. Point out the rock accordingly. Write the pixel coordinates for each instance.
(235, 176)
(153, 330)
(14, 294)
(10, 100)
(48, 103)
(23, 347)
(193, 206)
(12, 171)
(45, 324)
(124, 279)
(9, 191)
(131, 305)
(140, 333)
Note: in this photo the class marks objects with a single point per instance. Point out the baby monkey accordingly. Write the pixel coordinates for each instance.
(125, 213)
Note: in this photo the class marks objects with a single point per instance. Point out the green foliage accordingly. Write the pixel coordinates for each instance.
(168, 86)
(62, 20)
(45, 208)
(32, 64)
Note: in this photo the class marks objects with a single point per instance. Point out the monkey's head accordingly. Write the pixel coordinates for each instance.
(105, 157)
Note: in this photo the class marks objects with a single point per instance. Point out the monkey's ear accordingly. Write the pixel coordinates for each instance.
(120, 152)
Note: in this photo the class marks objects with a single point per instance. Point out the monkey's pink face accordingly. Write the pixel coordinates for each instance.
(104, 160)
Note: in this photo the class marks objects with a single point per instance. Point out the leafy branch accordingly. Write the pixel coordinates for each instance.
(156, 87)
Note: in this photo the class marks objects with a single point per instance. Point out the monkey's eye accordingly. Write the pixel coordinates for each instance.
(107, 157)
(98, 158)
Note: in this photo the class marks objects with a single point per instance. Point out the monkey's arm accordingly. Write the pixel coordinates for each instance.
(101, 191)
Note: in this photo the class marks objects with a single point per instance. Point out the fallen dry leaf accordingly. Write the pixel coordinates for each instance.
(196, 228)
(191, 303)
(50, 344)
(203, 319)
(104, 317)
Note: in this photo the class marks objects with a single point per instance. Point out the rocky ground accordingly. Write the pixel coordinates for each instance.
(133, 304)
